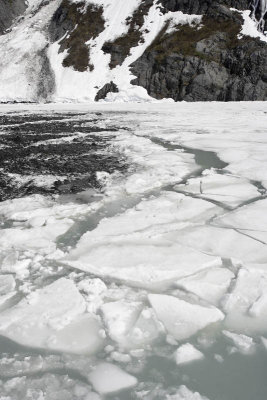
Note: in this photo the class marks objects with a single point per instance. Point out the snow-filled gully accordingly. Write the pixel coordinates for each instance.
(151, 285)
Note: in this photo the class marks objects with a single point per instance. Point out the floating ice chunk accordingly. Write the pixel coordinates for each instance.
(226, 189)
(46, 386)
(146, 329)
(264, 342)
(176, 315)
(218, 358)
(53, 318)
(92, 286)
(245, 306)
(120, 357)
(187, 353)
(244, 343)
(17, 208)
(184, 393)
(38, 238)
(210, 285)
(108, 378)
(119, 317)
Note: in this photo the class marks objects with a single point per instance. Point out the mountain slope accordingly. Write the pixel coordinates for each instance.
(85, 50)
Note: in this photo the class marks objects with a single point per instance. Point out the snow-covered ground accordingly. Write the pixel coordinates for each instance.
(157, 289)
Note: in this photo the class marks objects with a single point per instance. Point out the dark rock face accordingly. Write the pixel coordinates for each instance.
(202, 6)
(107, 88)
(9, 10)
(82, 22)
(204, 64)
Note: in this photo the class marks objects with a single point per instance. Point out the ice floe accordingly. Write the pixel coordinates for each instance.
(176, 315)
(187, 353)
(53, 318)
(108, 378)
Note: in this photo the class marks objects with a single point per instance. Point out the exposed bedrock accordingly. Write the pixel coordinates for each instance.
(9, 10)
(75, 23)
(107, 88)
(202, 6)
(204, 64)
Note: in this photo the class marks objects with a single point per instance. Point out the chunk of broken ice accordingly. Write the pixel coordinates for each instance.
(187, 353)
(176, 315)
(53, 318)
(108, 378)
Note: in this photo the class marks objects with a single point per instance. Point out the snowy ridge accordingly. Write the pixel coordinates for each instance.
(31, 66)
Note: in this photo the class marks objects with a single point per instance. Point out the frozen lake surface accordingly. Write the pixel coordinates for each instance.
(133, 251)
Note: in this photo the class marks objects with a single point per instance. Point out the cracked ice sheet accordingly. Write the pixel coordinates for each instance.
(213, 131)
(156, 165)
(224, 243)
(36, 223)
(250, 219)
(229, 190)
(140, 246)
(53, 318)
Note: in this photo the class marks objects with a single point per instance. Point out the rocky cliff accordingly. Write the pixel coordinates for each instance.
(9, 10)
(88, 50)
(210, 61)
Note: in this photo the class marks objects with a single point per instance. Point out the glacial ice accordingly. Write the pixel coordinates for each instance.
(229, 190)
(159, 270)
(176, 315)
(53, 318)
(151, 227)
(108, 378)
(209, 284)
(187, 353)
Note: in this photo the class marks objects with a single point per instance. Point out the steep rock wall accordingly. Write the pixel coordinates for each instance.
(9, 10)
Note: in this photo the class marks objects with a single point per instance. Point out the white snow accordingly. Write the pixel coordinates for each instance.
(176, 315)
(187, 353)
(249, 27)
(108, 378)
